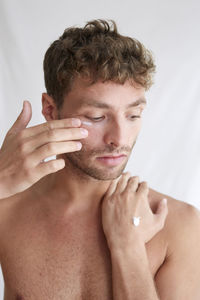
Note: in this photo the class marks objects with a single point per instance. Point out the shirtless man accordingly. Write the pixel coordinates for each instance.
(66, 226)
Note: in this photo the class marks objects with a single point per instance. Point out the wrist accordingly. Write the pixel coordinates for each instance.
(135, 246)
(131, 256)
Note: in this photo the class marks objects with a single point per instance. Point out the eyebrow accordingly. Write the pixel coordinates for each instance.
(105, 105)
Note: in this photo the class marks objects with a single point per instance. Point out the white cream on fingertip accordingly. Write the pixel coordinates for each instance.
(86, 123)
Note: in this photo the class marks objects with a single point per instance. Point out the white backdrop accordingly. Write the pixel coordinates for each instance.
(167, 153)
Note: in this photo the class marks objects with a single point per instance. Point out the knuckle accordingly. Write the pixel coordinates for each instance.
(51, 134)
(49, 126)
(135, 178)
(50, 147)
(127, 174)
(26, 167)
(21, 135)
(22, 148)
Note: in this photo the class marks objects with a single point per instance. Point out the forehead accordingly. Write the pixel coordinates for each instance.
(107, 93)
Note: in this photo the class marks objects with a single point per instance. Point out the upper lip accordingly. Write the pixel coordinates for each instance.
(112, 156)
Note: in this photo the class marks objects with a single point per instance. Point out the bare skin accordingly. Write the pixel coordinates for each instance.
(53, 245)
(51, 256)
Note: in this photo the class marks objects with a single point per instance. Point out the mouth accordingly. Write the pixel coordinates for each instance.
(111, 160)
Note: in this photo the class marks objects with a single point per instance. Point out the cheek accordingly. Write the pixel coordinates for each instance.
(94, 137)
(138, 127)
(96, 133)
(132, 133)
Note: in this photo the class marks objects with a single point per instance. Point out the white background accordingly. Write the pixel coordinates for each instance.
(167, 153)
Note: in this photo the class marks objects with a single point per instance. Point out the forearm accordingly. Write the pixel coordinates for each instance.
(132, 279)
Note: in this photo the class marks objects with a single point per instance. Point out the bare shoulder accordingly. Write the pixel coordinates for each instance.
(181, 215)
(178, 276)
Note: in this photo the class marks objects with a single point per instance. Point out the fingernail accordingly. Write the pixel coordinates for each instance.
(79, 145)
(76, 122)
(164, 201)
(84, 131)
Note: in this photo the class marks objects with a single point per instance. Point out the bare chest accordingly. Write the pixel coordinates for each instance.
(62, 265)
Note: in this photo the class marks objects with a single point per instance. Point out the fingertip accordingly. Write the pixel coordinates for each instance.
(26, 112)
(143, 185)
(76, 122)
(164, 200)
(25, 103)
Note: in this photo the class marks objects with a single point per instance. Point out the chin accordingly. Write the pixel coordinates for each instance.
(103, 175)
(86, 168)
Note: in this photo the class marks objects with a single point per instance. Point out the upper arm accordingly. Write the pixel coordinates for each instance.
(179, 276)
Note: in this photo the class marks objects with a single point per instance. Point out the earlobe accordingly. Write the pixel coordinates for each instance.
(49, 109)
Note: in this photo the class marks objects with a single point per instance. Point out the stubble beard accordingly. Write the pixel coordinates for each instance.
(83, 165)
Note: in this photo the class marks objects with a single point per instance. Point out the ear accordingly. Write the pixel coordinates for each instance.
(49, 109)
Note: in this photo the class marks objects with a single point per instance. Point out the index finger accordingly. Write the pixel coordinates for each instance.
(112, 186)
(50, 125)
(143, 189)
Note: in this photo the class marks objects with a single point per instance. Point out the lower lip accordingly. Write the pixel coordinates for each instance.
(111, 161)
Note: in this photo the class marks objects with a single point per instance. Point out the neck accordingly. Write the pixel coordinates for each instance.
(71, 191)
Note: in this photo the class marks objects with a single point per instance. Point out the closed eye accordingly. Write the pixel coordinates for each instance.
(95, 119)
(133, 117)
(100, 118)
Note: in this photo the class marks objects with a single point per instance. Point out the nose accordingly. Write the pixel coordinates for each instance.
(115, 134)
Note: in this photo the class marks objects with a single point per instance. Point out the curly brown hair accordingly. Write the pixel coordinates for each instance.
(96, 52)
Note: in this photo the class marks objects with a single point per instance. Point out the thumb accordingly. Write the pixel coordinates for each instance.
(23, 118)
(162, 210)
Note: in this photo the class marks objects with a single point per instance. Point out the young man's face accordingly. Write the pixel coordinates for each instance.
(116, 122)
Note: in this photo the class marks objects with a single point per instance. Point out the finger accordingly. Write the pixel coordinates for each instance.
(52, 149)
(56, 135)
(51, 125)
(132, 184)
(48, 167)
(122, 183)
(112, 187)
(143, 189)
(161, 212)
(23, 119)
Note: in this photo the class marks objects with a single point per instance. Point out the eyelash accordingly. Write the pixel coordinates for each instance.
(99, 119)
